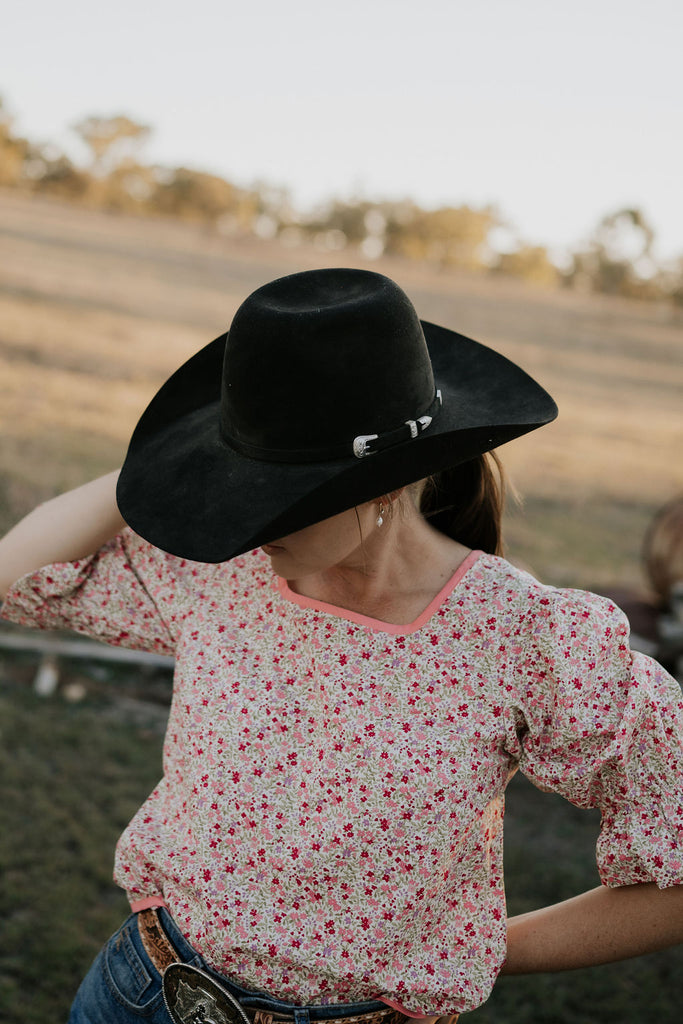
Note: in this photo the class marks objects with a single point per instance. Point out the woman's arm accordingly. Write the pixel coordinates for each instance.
(65, 528)
(596, 927)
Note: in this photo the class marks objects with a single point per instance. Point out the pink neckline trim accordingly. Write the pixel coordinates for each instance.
(377, 624)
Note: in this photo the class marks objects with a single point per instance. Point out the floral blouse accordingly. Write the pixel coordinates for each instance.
(328, 826)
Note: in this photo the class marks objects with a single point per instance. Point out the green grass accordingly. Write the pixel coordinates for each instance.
(73, 774)
(590, 544)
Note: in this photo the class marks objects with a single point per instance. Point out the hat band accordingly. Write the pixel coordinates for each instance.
(360, 446)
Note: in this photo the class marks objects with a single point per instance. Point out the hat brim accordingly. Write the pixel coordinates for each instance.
(187, 492)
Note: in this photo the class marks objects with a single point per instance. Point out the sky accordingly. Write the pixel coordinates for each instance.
(555, 112)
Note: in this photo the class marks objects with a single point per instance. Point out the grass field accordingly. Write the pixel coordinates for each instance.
(95, 311)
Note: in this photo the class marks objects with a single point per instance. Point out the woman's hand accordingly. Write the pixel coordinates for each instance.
(597, 927)
(68, 527)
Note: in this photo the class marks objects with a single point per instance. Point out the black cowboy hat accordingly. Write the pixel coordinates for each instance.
(327, 391)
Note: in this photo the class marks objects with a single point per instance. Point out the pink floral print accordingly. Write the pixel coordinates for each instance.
(328, 827)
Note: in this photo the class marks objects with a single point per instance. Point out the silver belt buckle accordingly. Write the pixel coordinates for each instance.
(194, 997)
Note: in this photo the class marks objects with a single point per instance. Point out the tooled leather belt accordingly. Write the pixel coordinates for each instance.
(192, 996)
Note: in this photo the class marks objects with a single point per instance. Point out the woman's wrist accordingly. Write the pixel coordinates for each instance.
(597, 927)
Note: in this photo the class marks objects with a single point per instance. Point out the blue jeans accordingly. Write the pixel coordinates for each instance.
(123, 985)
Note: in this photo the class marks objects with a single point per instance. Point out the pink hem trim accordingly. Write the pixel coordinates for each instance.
(401, 1009)
(147, 903)
(378, 624)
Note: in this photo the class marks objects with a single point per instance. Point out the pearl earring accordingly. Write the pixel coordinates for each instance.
(380, 517)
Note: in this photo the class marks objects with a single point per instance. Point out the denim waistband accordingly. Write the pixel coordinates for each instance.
(261, 1000)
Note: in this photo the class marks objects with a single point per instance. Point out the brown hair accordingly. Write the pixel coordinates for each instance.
(663, 549)
(466, 503)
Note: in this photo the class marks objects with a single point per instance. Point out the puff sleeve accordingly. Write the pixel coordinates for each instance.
(129, 594)
(603, 726)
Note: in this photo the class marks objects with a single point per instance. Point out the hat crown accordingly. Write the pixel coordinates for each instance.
(314, 359)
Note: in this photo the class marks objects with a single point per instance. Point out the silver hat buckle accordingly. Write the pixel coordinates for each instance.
(361, 445)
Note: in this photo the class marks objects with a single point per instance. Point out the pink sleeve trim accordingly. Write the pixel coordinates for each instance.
(378, 624)
(147, 903)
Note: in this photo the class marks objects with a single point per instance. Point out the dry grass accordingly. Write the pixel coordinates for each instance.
(96, 310)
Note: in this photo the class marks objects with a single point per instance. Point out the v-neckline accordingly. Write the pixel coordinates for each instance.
(379, 625)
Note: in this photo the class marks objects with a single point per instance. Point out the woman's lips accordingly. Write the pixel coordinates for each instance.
(271, 548)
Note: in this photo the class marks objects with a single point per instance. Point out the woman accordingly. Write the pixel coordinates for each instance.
(353, 693)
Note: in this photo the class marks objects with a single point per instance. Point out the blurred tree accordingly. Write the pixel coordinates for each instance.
(531, 263)
(128, 187)
(274, 201)
(111, 140)
(270, 209)
(195, 195)
(449, 236)
(13, 150)
(624, 235)
(677, 289)
(618, 259)
(339, 215)
(48, 170)
(671, 281)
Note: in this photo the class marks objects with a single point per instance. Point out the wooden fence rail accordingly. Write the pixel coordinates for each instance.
(51, 648)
